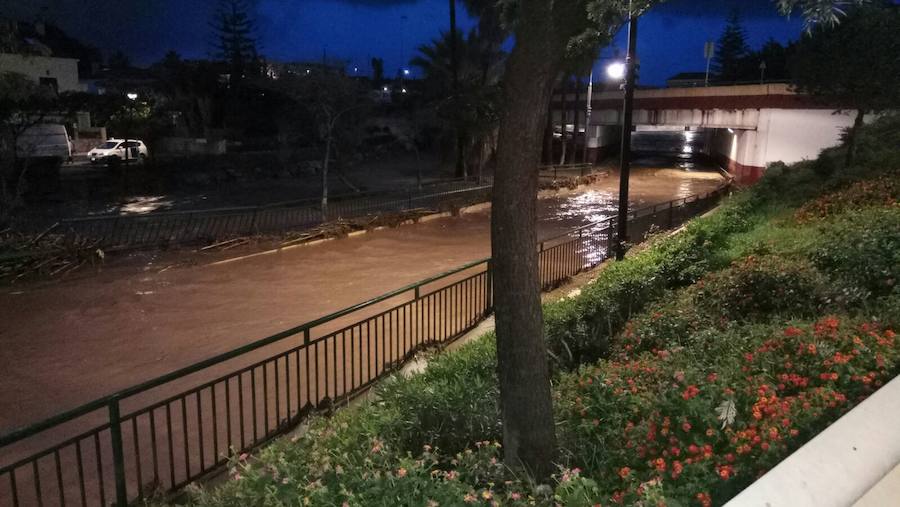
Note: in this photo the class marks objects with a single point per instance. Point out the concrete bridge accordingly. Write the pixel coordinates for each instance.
(744, 127)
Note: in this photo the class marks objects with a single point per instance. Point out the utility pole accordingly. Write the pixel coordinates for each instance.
(627, 120)
(587, 115)
(709, 50)
(762, 70)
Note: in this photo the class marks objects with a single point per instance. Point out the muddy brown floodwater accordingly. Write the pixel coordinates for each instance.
(68, 342)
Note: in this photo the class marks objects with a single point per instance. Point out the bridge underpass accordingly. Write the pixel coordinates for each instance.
(745, 128)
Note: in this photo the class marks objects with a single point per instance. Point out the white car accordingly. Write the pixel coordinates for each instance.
(114, 150)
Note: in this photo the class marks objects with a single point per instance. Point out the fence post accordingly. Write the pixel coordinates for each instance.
(671, 214)
(489, 288)
(187, 227)
(115, 433)
(253, 221)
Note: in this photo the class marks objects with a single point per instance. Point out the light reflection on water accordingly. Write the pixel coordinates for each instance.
(139, 205)
(592, 209)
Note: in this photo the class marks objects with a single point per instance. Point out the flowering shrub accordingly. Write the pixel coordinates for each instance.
(753, 288)
(310, 473)
(666, 425)
(884, 191)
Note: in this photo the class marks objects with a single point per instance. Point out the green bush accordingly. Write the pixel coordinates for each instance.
(580, 330)
(862, 251)
(666, 325)
(450, 405)
(759, 287)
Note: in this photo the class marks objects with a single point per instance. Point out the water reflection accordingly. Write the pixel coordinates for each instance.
(138, 205)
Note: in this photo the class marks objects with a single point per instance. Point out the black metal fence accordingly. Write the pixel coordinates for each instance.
(164, 433)
(178, 227)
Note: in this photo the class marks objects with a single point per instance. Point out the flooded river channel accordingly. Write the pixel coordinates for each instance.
(67, 342)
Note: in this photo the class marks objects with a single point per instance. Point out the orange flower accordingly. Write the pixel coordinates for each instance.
(704, 499)
(725, 471)
(660, 464)
(793, 331)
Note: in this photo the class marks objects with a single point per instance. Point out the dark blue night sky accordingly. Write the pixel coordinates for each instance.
(671, 35)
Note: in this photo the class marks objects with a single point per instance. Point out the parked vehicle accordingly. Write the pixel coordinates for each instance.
(44, 142)
(114, 150)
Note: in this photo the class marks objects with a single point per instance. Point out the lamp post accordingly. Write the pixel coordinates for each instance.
(131, 97)
(627, 120)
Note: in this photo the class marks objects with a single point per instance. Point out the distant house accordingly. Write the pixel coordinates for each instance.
(687, 80)
(45, 54)
(60, 74)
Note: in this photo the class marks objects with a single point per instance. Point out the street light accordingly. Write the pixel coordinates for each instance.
(630, 74)
(616, 71)
(405, 72)
(132, 96)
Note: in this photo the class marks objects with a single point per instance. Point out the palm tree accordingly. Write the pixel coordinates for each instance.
(471, 108)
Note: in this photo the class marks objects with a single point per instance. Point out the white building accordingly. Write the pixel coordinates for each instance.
(61, 74)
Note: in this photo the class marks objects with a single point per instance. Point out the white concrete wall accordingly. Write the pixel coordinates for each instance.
(785, 135)
(64, 70)
(792, 135)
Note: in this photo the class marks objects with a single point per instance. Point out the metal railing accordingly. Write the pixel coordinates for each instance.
(164, 433)
(178, 227)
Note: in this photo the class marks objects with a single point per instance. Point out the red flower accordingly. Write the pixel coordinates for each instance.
(793, 331)
(660, 464)
(690, 392)
(624, 472)
(704, 499)
(712, 377)
(725, 471)
(686, 426)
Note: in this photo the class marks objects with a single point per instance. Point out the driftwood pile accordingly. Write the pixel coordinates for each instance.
(49, 253)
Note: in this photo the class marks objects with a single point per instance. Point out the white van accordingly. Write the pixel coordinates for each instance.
(46, 141)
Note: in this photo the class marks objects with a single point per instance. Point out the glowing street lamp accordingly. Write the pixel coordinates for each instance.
(616, 71)
(132, 96)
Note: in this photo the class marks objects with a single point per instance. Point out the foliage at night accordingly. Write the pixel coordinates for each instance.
(731, 51)
(829, 65)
